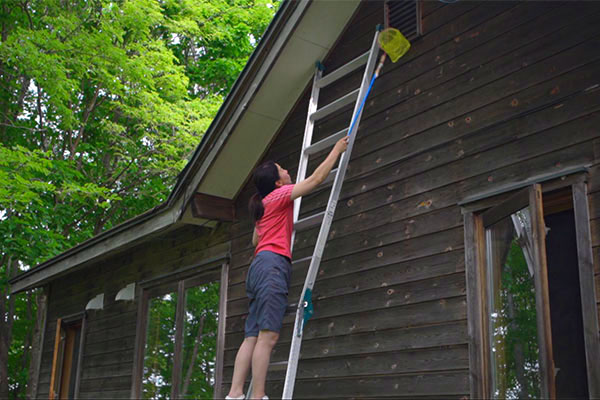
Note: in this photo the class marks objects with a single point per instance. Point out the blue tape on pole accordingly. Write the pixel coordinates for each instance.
(362, 104)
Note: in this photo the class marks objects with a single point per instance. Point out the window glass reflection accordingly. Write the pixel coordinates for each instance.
(160, 343)
(512, 309)
(200, 341)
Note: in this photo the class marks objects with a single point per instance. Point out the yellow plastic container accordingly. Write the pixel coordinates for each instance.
(393, 42)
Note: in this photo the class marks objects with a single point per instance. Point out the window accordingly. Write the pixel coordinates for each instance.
(531, 301)
(404, 15)
(68, 355)
(180, 337)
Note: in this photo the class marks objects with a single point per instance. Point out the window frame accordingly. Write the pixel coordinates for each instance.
(178, 281)
(58, 356)
(482, 213)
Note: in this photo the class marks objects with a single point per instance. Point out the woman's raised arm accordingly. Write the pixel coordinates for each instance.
(320, 174)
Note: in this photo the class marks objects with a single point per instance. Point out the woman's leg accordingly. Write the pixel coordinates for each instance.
(241, 367)
(260, 361)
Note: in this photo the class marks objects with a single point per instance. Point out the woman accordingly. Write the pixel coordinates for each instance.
(268, 278)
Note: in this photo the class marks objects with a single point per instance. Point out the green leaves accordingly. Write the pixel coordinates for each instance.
(101, 105)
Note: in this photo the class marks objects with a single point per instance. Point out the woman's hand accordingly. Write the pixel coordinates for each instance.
(341, 145)
(309, 184)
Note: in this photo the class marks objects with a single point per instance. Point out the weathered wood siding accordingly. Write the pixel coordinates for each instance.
(110, 333)
(492, 93)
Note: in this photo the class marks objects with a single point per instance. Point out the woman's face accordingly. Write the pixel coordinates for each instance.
(284, 176)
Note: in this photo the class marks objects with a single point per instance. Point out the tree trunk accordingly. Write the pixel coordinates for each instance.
(188, 375)
(7, 307)
(36, 345)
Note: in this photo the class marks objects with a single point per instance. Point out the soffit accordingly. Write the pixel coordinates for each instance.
(311, 41)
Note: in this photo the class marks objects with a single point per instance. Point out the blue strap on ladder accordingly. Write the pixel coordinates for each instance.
(307, 310)
(308, 305)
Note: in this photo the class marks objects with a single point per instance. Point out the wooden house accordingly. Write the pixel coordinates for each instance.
(463, 260)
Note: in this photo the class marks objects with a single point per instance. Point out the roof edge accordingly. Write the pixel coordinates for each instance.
(233, 99)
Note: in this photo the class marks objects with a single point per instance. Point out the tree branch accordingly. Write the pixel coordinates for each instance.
(86, 115)
(188, 375)
(20, 127)
(41, 117)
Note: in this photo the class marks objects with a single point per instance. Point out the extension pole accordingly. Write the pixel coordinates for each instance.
(362, 104)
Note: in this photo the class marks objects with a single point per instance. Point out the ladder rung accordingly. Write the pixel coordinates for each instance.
(278, 366)
(325, 218)
(325, 143)
(343, 70)
(301, 260)
(309, 222)
(330, 177)
(336, 105)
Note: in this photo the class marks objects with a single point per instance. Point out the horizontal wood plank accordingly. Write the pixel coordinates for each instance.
(434, 359)
(105, 394)
(450, 384)
(375, 341)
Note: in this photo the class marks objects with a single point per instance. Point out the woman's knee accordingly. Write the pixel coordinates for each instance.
(250, 340)
(268, 337)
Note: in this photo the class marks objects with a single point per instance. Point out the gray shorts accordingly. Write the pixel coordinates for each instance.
(267, 288)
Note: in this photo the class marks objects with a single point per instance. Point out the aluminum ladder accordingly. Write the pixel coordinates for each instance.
(325, 218)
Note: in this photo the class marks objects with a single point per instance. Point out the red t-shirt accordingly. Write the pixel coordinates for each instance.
(277, 223)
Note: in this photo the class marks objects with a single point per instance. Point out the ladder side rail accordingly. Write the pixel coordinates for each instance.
(306, 142)
(339, 178)
(297, 333)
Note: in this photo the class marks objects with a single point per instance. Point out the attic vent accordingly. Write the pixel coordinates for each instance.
(404, 15)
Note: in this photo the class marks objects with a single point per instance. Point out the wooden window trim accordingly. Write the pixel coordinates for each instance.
(587, 287)
(477, 285)
(58, 356)
(540, 277)
(180, 310)
(189, 271)
(67, 364)
(80, 355)
(480, 202)
(480, 372)
(221, 331)
(55, 357)
(500, 211)
(180, 280)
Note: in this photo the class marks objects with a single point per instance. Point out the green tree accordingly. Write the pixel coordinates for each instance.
(160, 347)
(199, 344)
(101, 103)
(519, 309)
(200, 341)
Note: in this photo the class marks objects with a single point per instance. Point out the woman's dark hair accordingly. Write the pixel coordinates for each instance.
(265, 176)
